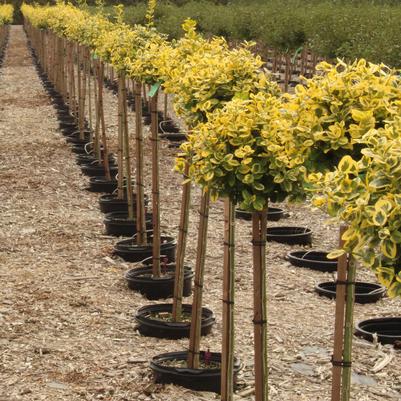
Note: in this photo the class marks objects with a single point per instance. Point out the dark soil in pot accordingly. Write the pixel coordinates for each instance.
(141, 280)
(130, 251)
(110, 203)
(118, 224)
(365, 293)
(156, 321)
(273, 214)
(388, 330)
(290, 235)
(171, 367)
(102, 185)
(97, 169)
(316, 260)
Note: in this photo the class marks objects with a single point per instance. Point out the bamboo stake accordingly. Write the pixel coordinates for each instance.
(155, 187)
(102, 123)
(227, 356)
(287, 72)
(130, 199)
(79, 83)
(259, 228)
(196, 316)
(120, 151)
(181, 245)
(342, 267)
(88, 72)
(165, 106)
(83, 94)
(97, 140)
(140, 196)
(348, 331)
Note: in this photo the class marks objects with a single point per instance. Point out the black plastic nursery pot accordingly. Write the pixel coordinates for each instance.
(97, 169)
(147, 118)
(74, 139)
(119, 224)
(90, 158)
(155, 321)
(110, 203)
(67, 127)
(315, 260)
(130, 251)
(387, 329)
(171, 368)
(173, 136)
(290, 235)
(102, 185)
(168, 126)
(141, 280)
(81, 149)
(273, 214)
(365, 293)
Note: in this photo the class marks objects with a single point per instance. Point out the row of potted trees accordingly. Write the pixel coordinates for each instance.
(6, 18)
(251, 145)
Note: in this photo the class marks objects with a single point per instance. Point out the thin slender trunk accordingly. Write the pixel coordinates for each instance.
(259, 228)
(342, 267)
(130, 199)
(181, 245)
(196, 317)
(102, 123)
(348, 331)
(120, 151)
(140, 195)
(227, 365)
(155, 187)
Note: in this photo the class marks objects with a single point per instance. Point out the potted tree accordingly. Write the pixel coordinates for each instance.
(191, 69)
(239, 155)
(331, 116)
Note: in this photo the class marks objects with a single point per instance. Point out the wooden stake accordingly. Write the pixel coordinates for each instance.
(102, 123)
(181, 245)
(155, 186)
(120, 151)
(227, 356)
(130, 199)
(259, 228)
(342, 267)
(348, 331)
(196, 316)
(140, 195)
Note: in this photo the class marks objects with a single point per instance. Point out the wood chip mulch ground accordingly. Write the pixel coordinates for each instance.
(66, 315)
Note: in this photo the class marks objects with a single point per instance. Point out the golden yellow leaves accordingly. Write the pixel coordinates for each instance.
(6, 14)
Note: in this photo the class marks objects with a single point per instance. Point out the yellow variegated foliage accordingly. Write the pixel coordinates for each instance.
(366, 194)
(240, 153)
(6, 14)
(336, 107)
(205, 74)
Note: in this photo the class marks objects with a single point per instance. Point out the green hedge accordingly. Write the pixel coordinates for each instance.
(349, 29)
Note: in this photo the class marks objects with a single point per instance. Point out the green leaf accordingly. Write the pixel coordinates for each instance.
(379, 218)
(389, 249)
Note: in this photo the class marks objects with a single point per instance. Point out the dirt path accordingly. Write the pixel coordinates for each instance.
(66, 328)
